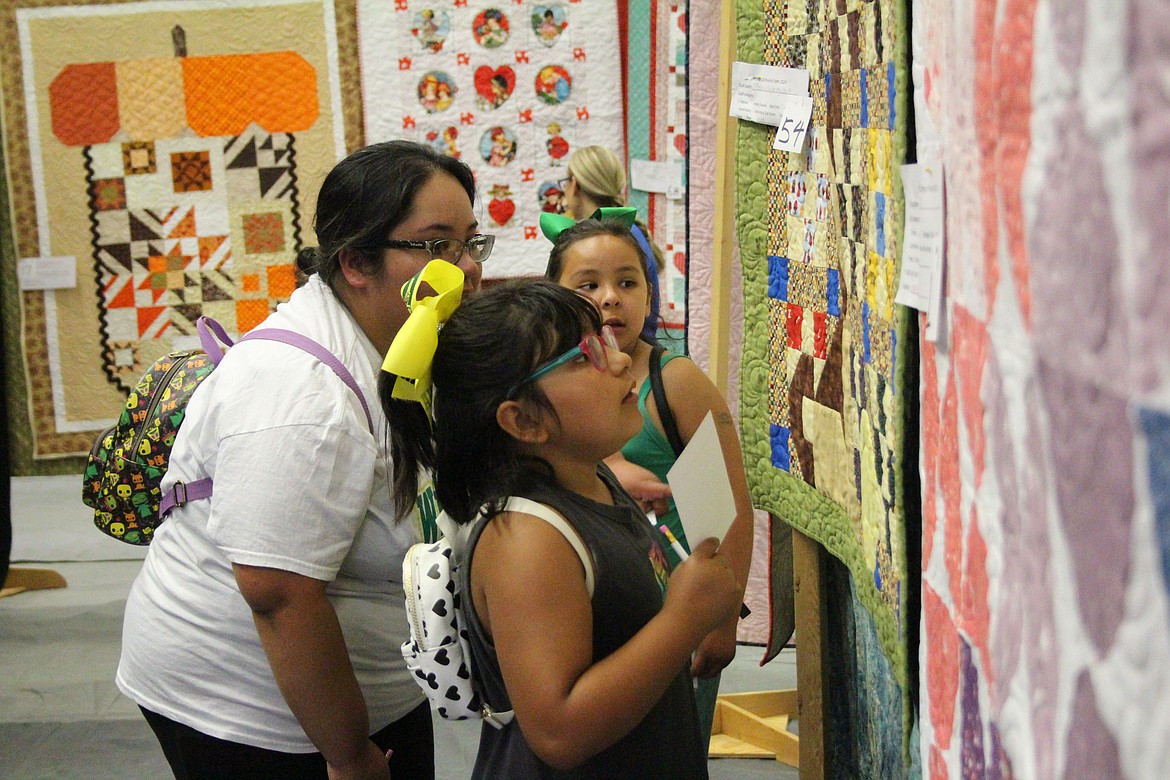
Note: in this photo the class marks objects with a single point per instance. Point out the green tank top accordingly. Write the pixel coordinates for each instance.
(651, 450)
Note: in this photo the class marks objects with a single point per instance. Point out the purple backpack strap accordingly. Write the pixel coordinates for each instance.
(209, 331)
(180, 493)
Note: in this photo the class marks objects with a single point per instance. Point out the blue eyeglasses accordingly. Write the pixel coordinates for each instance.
(593, 346)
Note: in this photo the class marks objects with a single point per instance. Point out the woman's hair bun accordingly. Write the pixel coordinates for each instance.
(308, 260)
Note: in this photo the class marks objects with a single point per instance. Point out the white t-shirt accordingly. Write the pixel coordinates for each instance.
(301, 485)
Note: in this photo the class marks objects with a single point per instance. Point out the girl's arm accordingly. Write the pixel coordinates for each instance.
(692, 395)
(651, 493)
(307, 652)
(528, 588)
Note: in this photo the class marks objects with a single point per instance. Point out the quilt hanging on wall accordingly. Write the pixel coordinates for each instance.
(174, 151)
(511, 89)
(656, 129)
(1046, 404)
(821, 390)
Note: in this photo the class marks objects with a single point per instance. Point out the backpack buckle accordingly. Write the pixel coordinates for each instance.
(179, 501)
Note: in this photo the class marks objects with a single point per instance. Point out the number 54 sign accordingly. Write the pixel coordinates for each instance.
(793, 125)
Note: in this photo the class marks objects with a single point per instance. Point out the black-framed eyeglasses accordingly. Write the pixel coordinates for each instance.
(564, 183)
(478, 247)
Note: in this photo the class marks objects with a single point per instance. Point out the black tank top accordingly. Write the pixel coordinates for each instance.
(629, 578)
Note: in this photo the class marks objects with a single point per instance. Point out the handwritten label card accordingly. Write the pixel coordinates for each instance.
(920, 285)
(760, 93)
(46, 273)
(791, 131)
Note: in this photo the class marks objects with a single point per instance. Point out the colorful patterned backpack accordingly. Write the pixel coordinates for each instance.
(122, 480)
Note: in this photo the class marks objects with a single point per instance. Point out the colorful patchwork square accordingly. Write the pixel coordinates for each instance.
(796, 192)
(870, 35)
(250, 313)
(282, 280)
(877, 91)
(793, 324)
(851, 98)
(108, 194)
(781, 457)
(833, 292)
(863, 96)
(878, 228)
(822, 209)
(263, 233)
(880, 144)
(778, 277)
(250, 283)
(191, 171)
(124, 353)
(138, 158)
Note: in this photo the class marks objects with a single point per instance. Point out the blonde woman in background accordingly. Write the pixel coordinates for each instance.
(597, 179)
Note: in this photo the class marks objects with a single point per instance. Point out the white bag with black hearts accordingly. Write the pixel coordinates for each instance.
(438, 652)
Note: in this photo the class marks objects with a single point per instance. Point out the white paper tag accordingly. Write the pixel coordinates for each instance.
(793, 128)
(920, 284)
(46, 273)
(654, 176)
(758, 92)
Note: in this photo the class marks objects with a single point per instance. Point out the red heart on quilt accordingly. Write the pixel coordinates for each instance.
(680, 143)
(494, 85)
(501, 210)
(680, 262)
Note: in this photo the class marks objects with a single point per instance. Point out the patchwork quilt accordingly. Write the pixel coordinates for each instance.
(1046, 405)
(173, 151)
(822, 390)
(510, 89)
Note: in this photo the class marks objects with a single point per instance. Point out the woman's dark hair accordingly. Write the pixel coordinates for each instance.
(366, 196)
(495, 340)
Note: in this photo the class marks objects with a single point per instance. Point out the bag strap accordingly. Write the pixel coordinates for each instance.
(664, 413)
(209, 331)
(182, 492)
(545, 513)
(316, 350)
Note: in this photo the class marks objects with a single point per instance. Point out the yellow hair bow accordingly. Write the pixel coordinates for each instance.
(412, 352)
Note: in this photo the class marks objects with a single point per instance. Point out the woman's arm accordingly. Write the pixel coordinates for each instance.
(692, 395)
(528, 588)
(307, 652)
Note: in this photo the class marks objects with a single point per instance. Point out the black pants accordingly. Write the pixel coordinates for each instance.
(194, 755)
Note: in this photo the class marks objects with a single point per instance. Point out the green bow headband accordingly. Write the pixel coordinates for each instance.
(552, 225)
(412, 352)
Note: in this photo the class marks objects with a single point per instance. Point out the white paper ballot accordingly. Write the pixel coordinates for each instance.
(759, 92)
(654, 176)
(46, 273)
(702, 492)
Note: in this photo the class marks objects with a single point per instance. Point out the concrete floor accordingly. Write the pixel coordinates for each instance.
(62, 717)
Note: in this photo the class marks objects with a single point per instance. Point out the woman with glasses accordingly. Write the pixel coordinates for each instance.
(261, 636)
(597, 179)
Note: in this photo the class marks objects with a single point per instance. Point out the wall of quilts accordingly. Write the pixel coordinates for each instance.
(1031, 404)
(178, 195)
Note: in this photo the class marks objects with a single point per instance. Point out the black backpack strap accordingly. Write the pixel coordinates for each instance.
(664, 413)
